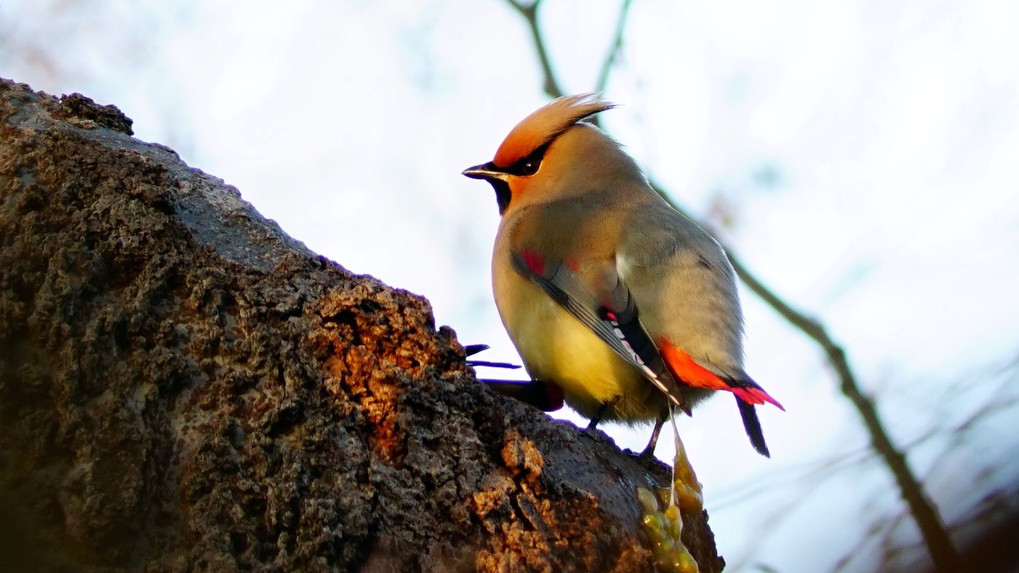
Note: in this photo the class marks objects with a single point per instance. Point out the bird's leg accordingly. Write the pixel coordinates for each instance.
(597, 416)
(601, 413)
(649, 451)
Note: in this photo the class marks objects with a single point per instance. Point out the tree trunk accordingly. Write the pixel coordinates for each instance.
(185, 387)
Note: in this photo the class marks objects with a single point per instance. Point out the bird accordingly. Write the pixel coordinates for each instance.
(604, 288)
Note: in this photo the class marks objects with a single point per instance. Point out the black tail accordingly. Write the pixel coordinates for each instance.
(753, 427)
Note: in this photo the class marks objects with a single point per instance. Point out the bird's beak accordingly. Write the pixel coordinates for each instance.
(487, 171)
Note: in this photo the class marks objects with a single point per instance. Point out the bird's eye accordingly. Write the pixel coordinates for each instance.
(529, 165)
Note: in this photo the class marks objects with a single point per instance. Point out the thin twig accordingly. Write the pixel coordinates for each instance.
(530, 14)
(939, 544)
(614, 48)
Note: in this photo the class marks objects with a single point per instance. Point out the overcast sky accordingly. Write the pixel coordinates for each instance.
(861, 157)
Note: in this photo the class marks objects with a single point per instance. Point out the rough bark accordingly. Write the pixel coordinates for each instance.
(185, 387)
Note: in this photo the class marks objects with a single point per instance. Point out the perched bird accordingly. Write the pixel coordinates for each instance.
(605, 289)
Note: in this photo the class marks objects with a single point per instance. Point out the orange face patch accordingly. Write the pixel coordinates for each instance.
(518, 188)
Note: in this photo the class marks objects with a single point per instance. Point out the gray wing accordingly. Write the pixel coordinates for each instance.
(611, 314)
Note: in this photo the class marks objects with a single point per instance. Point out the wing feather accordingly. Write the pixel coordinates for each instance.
(613, 316)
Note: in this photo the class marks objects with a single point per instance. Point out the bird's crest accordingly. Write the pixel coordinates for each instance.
(545, 124)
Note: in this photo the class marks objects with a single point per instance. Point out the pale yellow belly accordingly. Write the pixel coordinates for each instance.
(558, 348)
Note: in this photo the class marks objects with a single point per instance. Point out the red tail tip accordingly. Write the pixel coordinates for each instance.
(756, 396)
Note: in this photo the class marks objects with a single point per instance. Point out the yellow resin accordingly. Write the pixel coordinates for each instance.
(664, 528)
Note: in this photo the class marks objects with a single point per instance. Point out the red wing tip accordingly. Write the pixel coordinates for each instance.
(533, 261)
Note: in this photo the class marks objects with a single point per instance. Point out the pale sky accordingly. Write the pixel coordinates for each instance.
(865, 152)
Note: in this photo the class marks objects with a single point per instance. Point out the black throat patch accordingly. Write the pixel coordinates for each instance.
(502, 194)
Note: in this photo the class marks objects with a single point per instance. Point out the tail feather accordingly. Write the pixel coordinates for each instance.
(688, 371)
(753, 427)
(749, 392)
